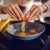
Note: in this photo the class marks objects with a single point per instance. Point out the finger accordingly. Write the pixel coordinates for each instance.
(33, 12)
(33, 7)
(29, 12)
(12, 16)
(36, 15)
(10, 9)
(16, 11)
(22, 15)
(27, 16)
(19, 10)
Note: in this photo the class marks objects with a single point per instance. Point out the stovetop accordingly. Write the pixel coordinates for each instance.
(41, 43)
(15, 44)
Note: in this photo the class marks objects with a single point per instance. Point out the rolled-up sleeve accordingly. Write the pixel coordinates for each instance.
(7, 2)
(48, 11)
(48, 4)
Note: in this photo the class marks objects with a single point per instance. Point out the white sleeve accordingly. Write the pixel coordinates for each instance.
(7, 2)
(48, 11)
(1, 2)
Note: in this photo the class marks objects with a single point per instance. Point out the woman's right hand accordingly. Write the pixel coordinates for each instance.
(14, 11)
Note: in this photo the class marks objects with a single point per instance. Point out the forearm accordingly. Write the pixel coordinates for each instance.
(1, 4)
(0, 9)
(46, 6)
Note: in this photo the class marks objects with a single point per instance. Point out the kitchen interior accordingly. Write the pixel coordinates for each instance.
(12, 39)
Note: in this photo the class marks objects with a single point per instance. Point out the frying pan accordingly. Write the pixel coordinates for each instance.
(16, 26)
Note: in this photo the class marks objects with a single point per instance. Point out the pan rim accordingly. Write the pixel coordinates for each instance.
(30, 35)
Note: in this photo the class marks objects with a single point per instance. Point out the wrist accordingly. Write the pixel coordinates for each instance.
(4, 9)
(45, 8)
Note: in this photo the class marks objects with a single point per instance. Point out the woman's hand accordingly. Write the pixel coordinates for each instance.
(14, 11)
(35, 11)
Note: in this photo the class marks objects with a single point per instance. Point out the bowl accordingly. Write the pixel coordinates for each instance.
(15, 27)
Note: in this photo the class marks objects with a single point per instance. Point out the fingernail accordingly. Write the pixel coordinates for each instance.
(28, 15)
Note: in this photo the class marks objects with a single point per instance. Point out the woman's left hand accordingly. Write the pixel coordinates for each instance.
(34, 12)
